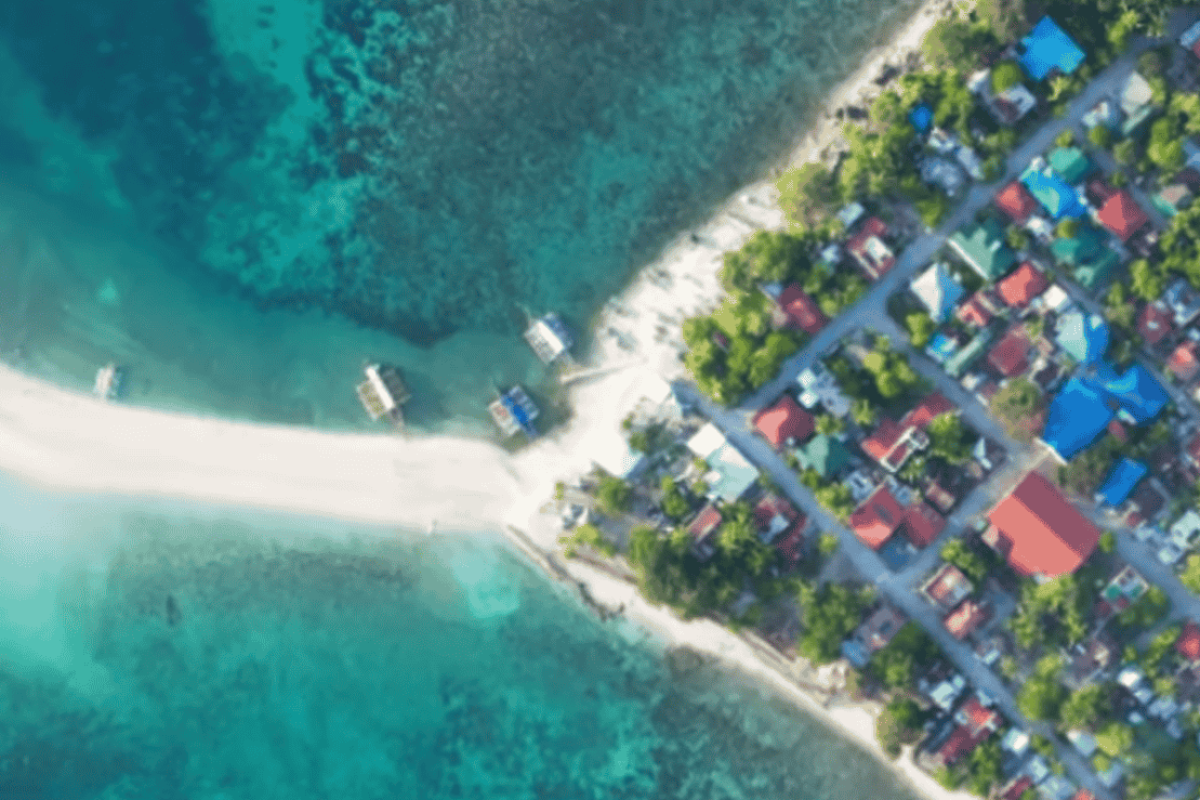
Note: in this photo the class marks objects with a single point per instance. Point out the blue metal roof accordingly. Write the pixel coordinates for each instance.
(1055, 194)
(1047, 48)
(1078, 415)
(941, 347)
(1122, 481)
(1140, 395)
(921, 117)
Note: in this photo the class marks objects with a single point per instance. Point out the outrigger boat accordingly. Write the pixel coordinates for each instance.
(384, 393)
(108, 382)
(549, 338)
(514, 411)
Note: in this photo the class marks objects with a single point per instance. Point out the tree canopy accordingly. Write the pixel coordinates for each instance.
(1021, 406)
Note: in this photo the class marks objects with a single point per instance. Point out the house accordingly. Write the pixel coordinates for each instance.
(730, 475)
(891, 443)
(1016, 788)
(785, 423)
(938, 290)
(978, 310)
(939, 496)
(1174, 198)
(1089, 657)
(1184, 361)
(1090, 261)
(966, 619)
(961, 361)
(1021, 286)
(874, 634)
(1048, 50)
(1183, 302)
(943, 172)
(983, 249)
(703, 531)
(824, 454)
(1123, 590)
(1083, 337)
(1070, 163)
(947, 587)
(1010, 356)
(1154, 323)
(1054, 193)
(1121, 482)
(817, 385)
(1122, 215)
(869, 249)
(774, 516)
(850, 214)
(797, 310)
(974, 724)
(1190, 40)
(1011, 105)
(1188, 643)
(1078, 415)
(1140, 396)
(1016, 202)
(1038, 531)
(881, 516)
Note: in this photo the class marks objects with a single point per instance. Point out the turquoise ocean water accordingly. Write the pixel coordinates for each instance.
(154, 652)
(241, 200)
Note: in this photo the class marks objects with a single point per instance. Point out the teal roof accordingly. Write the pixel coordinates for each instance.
(1054, 193)
(1085, 246)
(984, 249)
(1084, 337)
(1096, 272)
(824, 454)
(1070, 163)
(961, 361)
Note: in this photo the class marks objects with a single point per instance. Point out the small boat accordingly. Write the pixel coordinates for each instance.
(514, 411)
(549, 338)
(108, 382)
(384, 393)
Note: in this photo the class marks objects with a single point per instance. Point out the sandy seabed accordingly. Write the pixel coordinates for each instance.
(68, 441)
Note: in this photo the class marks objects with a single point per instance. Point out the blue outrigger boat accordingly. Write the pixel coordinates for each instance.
(514, 411)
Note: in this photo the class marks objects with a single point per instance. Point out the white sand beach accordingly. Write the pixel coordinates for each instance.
(73, 442)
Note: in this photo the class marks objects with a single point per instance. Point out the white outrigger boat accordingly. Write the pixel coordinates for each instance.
(384, 393)
(549, 338)
(108, 382)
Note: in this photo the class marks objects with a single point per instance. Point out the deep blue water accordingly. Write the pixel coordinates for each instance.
(243, 200)
(167, 653)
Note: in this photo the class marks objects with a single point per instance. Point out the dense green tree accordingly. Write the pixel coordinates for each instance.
(613, 495)
(1041, 696)
(1125, 152)
(911, 650)
(831, 613)
(807, 194)
(949, 438)
(984, 765)
(1084, 473)
(899, 723)
(920, 328)
(1146, 282)
(1165, 145)
(766, 256)
(836, 498)
(1115, 738)
(956, 42)
(1100, 137)
(1121, 29)
(971, 564)
(863, 412)
(1004, 18)
(1084, 707)
(674, 504)
(1006, 75)
(1189, 576)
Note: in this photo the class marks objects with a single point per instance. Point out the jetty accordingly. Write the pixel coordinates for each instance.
(108, 382)
(514, 411)
(549, 338)
(383, 393)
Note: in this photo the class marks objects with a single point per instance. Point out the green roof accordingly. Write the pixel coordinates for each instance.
(982, 247)
(1085, 246)
(824, 454)
(961, 361)
(1070, 163)
(1097, 271)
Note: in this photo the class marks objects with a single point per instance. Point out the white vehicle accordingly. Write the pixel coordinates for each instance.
(1170, 554)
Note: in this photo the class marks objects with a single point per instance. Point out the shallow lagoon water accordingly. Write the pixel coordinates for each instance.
(243, 201)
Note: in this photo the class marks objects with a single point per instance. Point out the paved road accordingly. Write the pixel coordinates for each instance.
(871, 312)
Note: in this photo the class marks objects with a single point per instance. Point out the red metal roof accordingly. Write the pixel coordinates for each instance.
(974, 311)
(1010, 356)
(706, 523)
(1016, 201)
(1015, 788)
(1184, 361)
(801, 311)
(1024, 284)
(965, 619)
(1188, 643)
(783, 421)
(1122, 215)
(877, 518)
(1154, 323)
(789, 546)
(881, 441)
(886, 443)
(948, 586)
(922, 524)
(977, 724)
(933, 405)
(1039, 531)
(858, 246)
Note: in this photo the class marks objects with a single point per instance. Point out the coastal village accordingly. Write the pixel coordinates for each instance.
(940, 444)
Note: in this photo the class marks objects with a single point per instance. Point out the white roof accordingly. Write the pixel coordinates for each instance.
(980, 81)
(1016, 741)
(1136, 94)
(1190, 36)
(1021, 98)
(929, 287)
(1082, 741)
(1055, 298)
(1186, 527)
(1130, 676)
(706, 441)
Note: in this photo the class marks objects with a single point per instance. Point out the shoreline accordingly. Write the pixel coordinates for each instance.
(59, 439)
